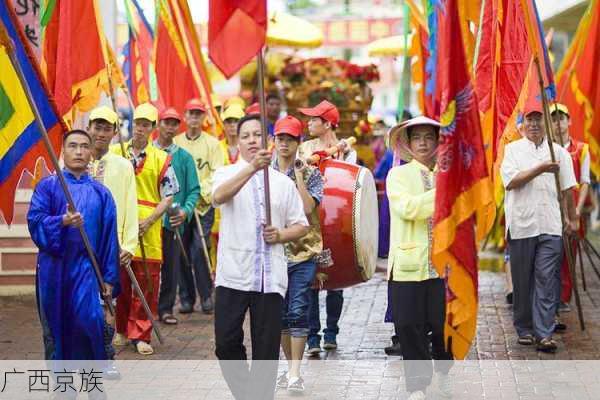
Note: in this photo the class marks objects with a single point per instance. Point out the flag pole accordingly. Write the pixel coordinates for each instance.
(6, 41)
(566, 242)
(263, 123)
(113, 101)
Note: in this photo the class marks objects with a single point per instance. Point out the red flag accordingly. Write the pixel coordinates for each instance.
(230, 20)
(463, 187)
(74, 55)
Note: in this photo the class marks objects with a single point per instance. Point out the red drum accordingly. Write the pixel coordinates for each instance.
(349, 224)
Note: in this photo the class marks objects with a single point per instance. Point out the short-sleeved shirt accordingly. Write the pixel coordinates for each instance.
(533, 209)
(244, 261)
(169, 185)
(311, 244)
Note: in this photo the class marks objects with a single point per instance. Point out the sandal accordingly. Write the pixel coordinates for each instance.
(168, 319)
(144, 348)
(526, 340)
(547, 345)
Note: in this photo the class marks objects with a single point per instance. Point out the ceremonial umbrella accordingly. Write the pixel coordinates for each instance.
(286, 30)
(391, 46)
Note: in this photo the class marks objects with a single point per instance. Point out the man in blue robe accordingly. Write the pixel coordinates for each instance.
(68, 293)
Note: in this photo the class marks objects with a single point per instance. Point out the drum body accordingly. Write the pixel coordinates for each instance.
(349, 224)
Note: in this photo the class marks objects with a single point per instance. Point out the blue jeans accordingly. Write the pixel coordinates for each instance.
(297, 299)
(333, 306)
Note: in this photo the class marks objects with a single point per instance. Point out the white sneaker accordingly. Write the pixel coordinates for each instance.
(443, 381)
(418, 395)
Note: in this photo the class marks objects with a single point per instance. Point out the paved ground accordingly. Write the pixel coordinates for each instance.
(359, 369)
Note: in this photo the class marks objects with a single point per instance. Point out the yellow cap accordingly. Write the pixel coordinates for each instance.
(559, 107)
(216, 101)
(233, 111)
(146, 111)
(104, 113)
(235, 100)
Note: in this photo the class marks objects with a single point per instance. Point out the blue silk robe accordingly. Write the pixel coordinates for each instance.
(68, 293)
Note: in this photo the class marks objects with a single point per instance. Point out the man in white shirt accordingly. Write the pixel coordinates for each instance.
(251, 264)
(534, 227)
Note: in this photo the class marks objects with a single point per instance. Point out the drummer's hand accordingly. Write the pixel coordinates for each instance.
(261, 159)
(271, 234)
(125, 257)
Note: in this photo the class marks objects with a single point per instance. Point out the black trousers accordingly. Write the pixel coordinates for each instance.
(258, 381)
(419, 308)
(169, 273)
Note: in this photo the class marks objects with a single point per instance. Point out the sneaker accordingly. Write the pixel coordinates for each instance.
(330, 344)
(207, 306)
(393, 350)
(418, 395)
(564, 307)
(443, 382)
(314, 347)
(121, 340)
(282, 381)
(547, 345)
(296, 385)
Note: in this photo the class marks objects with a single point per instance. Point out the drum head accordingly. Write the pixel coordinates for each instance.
(366, 223)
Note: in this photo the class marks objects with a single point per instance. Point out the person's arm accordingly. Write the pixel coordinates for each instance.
(168, 187)
(48, 231)
(403, 203)
(189, 205)
(225, 191)
(296, 224)
(308, 190)
(290, 233)
(567, 180)
(130, 222)
(584, 187)
(513, 178)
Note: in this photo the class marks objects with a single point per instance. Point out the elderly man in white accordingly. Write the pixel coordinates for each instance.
(534, 228)
(252, 267)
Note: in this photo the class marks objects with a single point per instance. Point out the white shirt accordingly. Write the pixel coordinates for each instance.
(585, 166)
(533, 209)
(244, 261)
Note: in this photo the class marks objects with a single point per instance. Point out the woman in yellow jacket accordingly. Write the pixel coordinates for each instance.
(417, 292)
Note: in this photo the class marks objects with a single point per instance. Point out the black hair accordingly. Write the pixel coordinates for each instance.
(77, 132)
(273, 96)
(246, 118)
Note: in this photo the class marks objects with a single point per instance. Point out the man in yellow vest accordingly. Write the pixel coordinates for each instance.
(156, 184)
(116, 173)
(206, 152)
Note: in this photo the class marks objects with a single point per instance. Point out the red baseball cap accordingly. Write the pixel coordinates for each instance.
(531, 106)
(169, 113)
(288, 126)
(325, 110)
(253, 108)
(195, 104)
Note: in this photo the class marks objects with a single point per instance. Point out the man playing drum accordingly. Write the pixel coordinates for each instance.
(300, 253)
(416, 290)
(324, 119)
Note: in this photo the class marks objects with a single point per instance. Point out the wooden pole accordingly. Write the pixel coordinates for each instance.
(263, 123)
(566, 241)
(6, 41)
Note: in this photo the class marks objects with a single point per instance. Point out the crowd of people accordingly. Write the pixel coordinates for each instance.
(148, 207)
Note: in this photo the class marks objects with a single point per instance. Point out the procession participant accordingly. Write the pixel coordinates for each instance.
(251, 264)
(324, 119)
(68, 292)
(534, 228)
(230, 117)
(273, 112)
(300, 253)
(580, 156)
(184, 203)
(156, 184)
(417, 292)
(116, 173)
(208, 156)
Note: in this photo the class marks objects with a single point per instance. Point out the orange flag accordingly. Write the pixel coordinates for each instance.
(578, 82)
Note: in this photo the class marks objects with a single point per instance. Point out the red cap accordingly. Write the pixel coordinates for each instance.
(253, 108)
(169, 113)
(325, 110)
(288, 126)
(195, 104)
(532, 105)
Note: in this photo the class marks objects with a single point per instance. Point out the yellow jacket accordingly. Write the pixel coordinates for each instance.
(411, 192)
(116, 173)
(208, 156)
